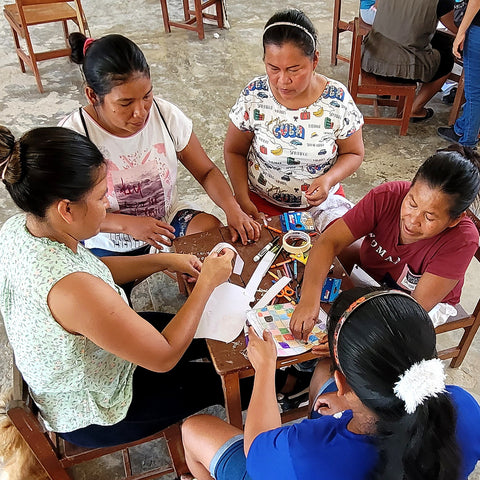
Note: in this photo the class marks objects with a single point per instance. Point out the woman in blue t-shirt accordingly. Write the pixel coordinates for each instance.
(401, 421)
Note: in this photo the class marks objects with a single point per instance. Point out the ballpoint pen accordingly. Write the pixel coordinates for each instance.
(265, 249)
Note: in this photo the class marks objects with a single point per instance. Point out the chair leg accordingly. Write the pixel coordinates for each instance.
(173, 438)
(457, 102)
(39, 445)
(17, 47)
(127, 465)
(465, 342)
(220, 14)
(33, 62)
(406, 114)
(65, 32)
(166, 19)
(186, 10)
(199, 19)
(335, 32)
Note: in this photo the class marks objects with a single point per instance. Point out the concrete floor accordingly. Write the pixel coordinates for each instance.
(204, 78)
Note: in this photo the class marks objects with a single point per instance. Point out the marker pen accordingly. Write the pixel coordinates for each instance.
(265, 249)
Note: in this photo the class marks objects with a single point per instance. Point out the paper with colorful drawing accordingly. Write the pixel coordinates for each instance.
(224, 314)
(276, 319)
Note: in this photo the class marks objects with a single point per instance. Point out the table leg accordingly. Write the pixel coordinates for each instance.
(233, 403)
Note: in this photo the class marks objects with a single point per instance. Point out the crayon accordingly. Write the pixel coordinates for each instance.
(282, 263)
(273, 275)
(276, 230)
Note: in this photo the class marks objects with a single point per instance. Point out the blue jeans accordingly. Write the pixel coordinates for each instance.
(468, 125)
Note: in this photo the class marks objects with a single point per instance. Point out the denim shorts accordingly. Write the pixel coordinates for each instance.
(181, 220)
(230, 463)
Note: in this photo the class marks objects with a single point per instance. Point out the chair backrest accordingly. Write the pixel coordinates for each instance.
(355, 58)
(469, 323)
(56, 455)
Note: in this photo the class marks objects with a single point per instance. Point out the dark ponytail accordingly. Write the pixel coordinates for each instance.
(379, 341)
(48, 164)
(108, 61)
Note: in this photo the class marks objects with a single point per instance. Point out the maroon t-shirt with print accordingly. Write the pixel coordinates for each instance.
(377, 217)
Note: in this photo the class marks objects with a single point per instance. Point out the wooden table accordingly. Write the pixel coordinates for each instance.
(229, 358)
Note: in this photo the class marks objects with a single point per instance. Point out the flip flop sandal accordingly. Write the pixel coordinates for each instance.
(426, 117)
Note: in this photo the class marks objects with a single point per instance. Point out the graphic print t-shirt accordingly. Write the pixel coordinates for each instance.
(290, 148)
(142, 168)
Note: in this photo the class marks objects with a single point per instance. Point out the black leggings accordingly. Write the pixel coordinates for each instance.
(159, 399)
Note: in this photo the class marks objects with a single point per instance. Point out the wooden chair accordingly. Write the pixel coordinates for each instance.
(469, 323)
(23, 14)
(366, 88)
(340, 26)
(194, 18)
(55, 455)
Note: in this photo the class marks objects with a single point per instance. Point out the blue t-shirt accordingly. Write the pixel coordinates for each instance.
(325, 449)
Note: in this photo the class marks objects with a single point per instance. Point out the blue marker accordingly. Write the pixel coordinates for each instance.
(295, 269)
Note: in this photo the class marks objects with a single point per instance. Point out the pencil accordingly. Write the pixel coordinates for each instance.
(276, 230)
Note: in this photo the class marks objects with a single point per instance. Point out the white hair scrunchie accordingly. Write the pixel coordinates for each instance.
(422, 380)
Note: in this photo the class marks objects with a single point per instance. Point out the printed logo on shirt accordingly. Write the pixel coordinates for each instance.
(258, 84)
(332, 91)
(288, 130)
(382, 252)
(408, 279)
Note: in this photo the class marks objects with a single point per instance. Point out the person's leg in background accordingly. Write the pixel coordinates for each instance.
(468, 125)
(442, 43)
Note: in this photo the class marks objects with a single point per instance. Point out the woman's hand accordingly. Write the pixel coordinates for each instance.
(150, 230)
(318, 190)
(261, 353)
(302, 321)
(252, 211)
(321, 350)
(458, 44)
(184, 263)
(217, 268)
(241, 224)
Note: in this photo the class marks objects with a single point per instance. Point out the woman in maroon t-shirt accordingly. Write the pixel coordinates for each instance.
(416, 237)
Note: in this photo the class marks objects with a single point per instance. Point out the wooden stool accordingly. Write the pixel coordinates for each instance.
(194, 18)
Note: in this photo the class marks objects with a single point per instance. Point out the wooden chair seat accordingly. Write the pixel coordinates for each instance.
(24, 14)
(463, 320)
(366, 88)
(55, 455)
(38, 14)
(193, 18)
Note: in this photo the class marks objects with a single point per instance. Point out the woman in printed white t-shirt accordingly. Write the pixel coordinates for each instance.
(142, 137)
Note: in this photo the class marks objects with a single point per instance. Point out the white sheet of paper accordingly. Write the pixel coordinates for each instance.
(224, 314)
(361, 278)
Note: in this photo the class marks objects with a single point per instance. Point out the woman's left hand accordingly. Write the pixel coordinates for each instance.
(184, 263)
(317, 193)
(261, 353)
(458, 44)
(243, 226)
